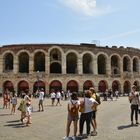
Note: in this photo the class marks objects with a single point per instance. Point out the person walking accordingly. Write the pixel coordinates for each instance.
(13, 102)
(41, 98)
(53, 95)
(58, 97)
(86, 115)
(94, 112)
(135, 103)
(73, 116)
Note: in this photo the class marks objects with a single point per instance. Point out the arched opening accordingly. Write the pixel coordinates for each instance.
(115, 65)
(39, 62)
(115, 86)
(135, 65)
(22, 86)
(127, 87)
(126, 64)
(55, 85)
(87, 64)
(72, 86)
(38, 85)
(8, 85)
(101, 61)
(71, 63)
(102, 86)
(8, 62)
(24, 63)
(87, 85)
(55, 68)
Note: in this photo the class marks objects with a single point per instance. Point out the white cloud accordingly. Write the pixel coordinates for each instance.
(125, 34)
(86, 7)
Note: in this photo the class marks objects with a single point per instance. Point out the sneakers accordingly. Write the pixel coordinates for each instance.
(74, 138)
(137, 123)
(94, 133)
(65, 138)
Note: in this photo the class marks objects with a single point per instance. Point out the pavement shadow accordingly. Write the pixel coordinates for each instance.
(5, 114)
(126, 126)
(15, 124)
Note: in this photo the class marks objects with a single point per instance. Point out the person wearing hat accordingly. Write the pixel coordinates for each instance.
(86, 115)
(135, 103)
(94, 111)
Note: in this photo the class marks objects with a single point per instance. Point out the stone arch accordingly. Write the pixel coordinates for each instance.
(8, 61)
(8, 85)
(22, 86)
(135, 62)
(38, 85)
(55, 85)
(87, 84)
(71, 63)
(39, 61)
(127, 87)
(115, 85)
(23, 59)
(55, 60)
(87, 63)
(101, 63)
(126, 63)
(55, 47)
(72, 86)
(102, 86)
(115, 64)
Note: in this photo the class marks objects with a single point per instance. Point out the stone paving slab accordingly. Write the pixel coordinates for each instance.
(113, 122)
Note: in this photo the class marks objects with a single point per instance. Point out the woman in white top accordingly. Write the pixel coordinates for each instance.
(58, 97)
(86, 115)
(53, 95)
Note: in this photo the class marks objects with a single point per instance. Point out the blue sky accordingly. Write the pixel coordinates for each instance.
(105, 22)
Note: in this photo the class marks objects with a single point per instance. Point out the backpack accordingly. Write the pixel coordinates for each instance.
(73, 110)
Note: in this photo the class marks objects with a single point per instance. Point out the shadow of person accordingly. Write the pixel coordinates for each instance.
(126, 126)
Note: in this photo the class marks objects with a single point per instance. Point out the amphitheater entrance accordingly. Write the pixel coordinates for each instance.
(8, 85)
(126, 87)
(55, 85)
(38, 85)
(102, 86)
(22, 86)
(72, 86)
(115, 86)
(87, 85)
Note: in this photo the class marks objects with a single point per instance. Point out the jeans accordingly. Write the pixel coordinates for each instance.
(85, 117)
(134, 108)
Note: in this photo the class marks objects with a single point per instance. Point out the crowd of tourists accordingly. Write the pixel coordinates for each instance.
(80, 110)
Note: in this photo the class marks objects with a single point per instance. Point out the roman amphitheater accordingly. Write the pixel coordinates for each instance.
(73, 67)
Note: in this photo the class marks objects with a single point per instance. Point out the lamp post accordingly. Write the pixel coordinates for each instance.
(37, 76)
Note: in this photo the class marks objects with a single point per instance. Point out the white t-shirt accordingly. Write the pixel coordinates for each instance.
(41, 95)
(53, 95)
(89, 102)
(58, 95)
(135, 100)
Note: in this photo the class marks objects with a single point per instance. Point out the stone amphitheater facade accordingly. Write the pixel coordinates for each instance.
(68, 67)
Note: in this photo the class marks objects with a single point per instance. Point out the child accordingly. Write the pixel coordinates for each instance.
(14, 103)
(73, 106)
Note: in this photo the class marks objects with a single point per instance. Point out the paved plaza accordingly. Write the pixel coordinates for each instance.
(113, 122)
